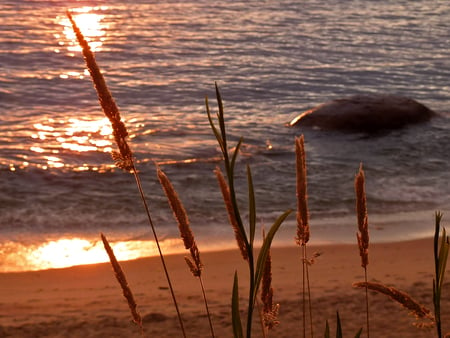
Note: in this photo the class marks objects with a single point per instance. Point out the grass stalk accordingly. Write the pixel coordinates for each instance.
(163, 261)
(205, 300)
(120, 276)
(401, 297)
(309, 295)
(269, 309)
(303, 231)
(304, 266)
(244, 241)
(187, 236)
(363, 232)
(124, 157)
(229, 194)
(440, 260)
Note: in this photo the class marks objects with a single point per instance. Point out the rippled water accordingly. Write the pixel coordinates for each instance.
(271, 60)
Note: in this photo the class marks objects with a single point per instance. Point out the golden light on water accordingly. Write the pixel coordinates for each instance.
(75, 135)
(91, 24)
(78, 135)
(66, 252)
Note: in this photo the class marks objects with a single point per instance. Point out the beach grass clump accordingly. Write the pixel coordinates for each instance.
(419, 311)
(244, 239)
(404, 299)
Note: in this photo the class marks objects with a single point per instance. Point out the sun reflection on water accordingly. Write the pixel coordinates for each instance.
(78, 135)
(73, 135)
(91, 24)
(66, 252)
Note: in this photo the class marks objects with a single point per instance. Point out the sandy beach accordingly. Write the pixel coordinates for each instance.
(86, 301)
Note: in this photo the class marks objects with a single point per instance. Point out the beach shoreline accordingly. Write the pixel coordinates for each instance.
(86, 301)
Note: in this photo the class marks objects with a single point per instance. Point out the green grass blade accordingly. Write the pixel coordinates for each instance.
(440, 260)
(327, 330)
(251, 206)
(437, 229)
(443, 256)
(236, 152)
(235, 315)
(213, 127)
(358, 334)
(339, 327)
(265, 249)
(220, 116)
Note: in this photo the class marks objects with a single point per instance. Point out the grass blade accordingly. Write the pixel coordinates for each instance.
(443, 256)
(440, 261)
(251, 206)
(220, 116)
(339, 327)
(213, 127)
(236, 152)
(235, 314)
(265, 249)
(327, 330)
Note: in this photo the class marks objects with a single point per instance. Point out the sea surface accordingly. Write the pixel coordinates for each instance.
(59, 188)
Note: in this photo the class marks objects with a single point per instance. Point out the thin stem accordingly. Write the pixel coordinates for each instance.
(436, 300)
(440, 259)
(166, 271)
(265, 331)
(304, 289)
(251, 297)
(309, 293)
(367, 301)
(206, 306)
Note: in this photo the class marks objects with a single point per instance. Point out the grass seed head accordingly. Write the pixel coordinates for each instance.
(404, 299)
(362, 217)
(120, 276)
(231, 215)
(303, 232)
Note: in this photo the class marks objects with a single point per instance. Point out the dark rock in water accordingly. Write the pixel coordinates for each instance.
(365, 114)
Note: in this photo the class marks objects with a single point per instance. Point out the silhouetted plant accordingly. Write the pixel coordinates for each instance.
(245, 241)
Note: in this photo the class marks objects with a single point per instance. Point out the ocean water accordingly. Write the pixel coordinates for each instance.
(271, 60)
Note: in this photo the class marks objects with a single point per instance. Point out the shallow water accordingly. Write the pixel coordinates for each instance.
(271, 60)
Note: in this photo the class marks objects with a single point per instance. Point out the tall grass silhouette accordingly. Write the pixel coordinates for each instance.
(244, 240)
